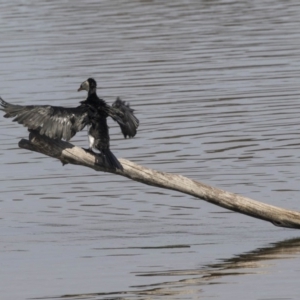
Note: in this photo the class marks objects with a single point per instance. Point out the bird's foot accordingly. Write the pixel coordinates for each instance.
(89, 150)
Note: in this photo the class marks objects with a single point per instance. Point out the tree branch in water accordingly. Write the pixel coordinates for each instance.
(68, 153)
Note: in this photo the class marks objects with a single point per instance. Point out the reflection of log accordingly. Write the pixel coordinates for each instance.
(191, 280)
(68, 153)
(236, 264)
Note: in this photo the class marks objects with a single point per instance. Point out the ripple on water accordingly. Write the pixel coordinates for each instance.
(214, 84)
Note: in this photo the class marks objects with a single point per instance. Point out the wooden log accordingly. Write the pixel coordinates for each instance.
(68, 153)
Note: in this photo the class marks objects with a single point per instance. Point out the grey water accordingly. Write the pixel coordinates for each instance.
(215, 84)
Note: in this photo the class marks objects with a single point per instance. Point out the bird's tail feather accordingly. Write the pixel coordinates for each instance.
(110, 159)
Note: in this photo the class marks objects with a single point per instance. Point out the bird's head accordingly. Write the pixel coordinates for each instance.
(90, 85)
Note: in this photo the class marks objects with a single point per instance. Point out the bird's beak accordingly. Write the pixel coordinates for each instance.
(85, 86)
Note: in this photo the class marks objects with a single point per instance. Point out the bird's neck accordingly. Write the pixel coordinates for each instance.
(92, 91)
(93, 99)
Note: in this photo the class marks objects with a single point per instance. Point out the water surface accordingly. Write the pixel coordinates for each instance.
(215, 86)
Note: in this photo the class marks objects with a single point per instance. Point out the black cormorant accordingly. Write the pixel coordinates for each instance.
(58, 122)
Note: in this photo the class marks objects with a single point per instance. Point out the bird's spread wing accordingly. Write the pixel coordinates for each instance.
(53, 121)
(123, 114)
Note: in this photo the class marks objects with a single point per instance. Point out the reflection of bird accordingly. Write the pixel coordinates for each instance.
(64, 122)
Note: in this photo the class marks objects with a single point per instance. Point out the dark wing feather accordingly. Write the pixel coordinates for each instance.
(123, 114)
(53, 121)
